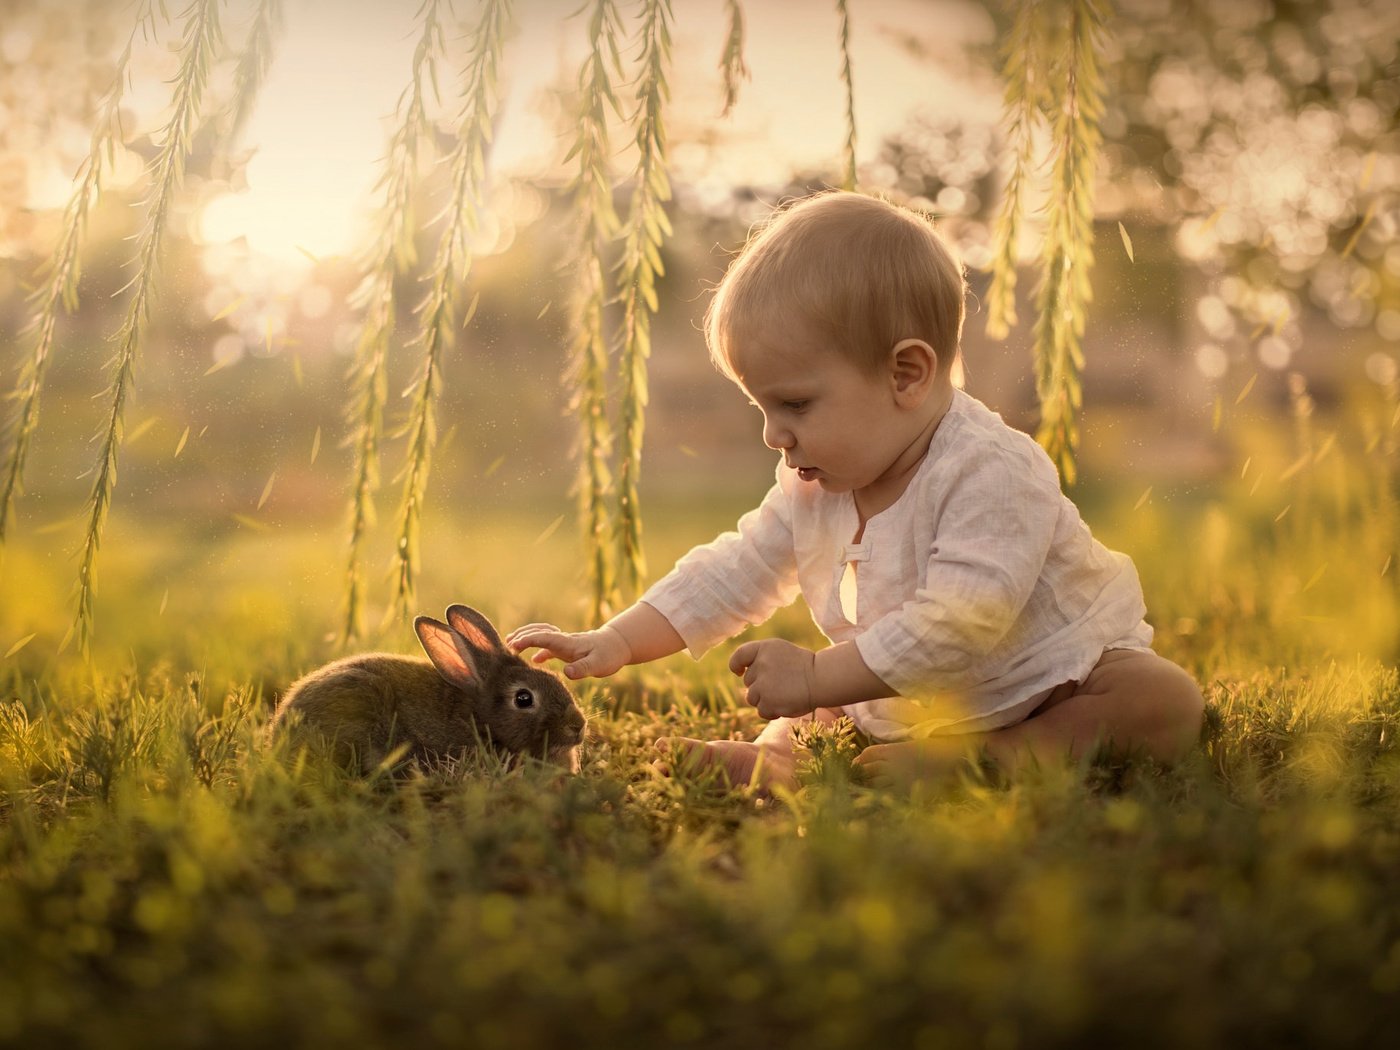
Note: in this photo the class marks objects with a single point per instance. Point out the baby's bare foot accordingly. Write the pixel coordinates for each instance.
(741, 762)
(902, 765)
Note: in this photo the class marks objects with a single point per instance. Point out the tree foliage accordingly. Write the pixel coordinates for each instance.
(1266, 143)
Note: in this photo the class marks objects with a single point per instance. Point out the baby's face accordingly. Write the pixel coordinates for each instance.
(837, 425)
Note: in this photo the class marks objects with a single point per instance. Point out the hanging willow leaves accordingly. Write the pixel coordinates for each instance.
(391, 254)
(253, 63)
(197, 53)
(731, 62)
(436, 312)
(1024, 99)
(59, 288)
(646, 228)
(1068, 255)
(848, 177)
(597, 224)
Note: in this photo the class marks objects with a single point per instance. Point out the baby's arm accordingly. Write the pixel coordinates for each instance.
(634, 636)
(713, 592)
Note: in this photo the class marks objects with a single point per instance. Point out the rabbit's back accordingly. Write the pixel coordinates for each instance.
(361, 707)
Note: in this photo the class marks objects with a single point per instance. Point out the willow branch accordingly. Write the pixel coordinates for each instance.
(731, 62)
(848, 178)
(436, 312)
(597, 225)
(253, 63)
(59, 287)
(197, 50)
(1065, 291)
(645, 230)
(391, 254)
(1024, 74)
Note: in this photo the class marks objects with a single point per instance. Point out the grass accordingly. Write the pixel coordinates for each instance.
(165, 880)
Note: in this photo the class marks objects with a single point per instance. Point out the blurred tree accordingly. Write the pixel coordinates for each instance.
(56, 60)
(1265, 134)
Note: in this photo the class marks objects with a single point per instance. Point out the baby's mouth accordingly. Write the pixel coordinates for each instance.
(808, 473)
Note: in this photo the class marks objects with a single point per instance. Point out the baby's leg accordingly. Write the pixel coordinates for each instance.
(1132, 701)
(765, 762)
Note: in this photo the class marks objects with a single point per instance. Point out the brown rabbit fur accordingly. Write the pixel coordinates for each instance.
(471, 691)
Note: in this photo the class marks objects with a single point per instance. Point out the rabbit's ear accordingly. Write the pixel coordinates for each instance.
(450, 653)
(475, 628)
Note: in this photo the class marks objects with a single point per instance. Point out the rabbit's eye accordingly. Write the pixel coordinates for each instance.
(524, 698)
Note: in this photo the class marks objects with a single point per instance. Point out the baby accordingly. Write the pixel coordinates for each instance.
(968, 608)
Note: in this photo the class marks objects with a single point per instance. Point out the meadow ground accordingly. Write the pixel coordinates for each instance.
(165, 881)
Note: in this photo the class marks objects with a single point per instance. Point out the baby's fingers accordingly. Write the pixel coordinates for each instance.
(876, 774)
(532, 635)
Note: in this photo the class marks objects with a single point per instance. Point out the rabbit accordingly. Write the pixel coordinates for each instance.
(471, 690)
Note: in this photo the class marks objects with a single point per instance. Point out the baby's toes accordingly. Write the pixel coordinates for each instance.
(678, 752)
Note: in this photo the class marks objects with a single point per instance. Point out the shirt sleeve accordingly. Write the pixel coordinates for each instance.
(996, 522)
(739, 579)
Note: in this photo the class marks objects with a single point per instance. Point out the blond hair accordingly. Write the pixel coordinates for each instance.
(857, 272)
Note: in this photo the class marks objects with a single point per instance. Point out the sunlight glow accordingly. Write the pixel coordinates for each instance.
(277, 227)
(328, 104)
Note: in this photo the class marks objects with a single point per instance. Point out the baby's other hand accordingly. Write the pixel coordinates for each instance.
(587, 654)
(780, 677)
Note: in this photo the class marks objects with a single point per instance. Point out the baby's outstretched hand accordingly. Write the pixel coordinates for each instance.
(587, 654)
(781, 677)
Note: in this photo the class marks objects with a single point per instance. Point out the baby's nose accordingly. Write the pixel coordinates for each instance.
(776, 437)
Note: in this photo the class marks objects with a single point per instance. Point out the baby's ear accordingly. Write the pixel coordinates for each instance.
(449, 652)
(914, 366)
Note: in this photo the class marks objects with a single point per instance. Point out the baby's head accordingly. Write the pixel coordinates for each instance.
(853, 273)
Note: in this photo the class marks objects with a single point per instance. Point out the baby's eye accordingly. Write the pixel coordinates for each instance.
(795, 406)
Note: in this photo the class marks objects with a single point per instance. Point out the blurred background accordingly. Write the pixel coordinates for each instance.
(1242, 346)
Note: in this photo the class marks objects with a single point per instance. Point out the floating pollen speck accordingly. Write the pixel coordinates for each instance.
(141, 430)
(1146, 495)
(180, 445)
(250, 522)
(471, 310)
(1297, 465)
(19, 645)
(1314, 578)
(495, 466)
(550, 529)
(1127, 241)
(1244, 390)
(267, 489)
(316, 445)
(1360, 229)
(164, 601)
(229, 308)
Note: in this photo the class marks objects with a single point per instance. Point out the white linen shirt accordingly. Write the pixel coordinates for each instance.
(977, 592)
